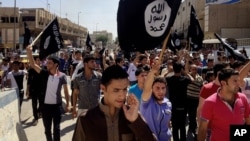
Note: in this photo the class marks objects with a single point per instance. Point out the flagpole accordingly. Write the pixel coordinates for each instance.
(37, 37)
(164, 45)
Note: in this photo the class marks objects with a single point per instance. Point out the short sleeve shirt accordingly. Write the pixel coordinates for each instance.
(220, 115)
(208, 89)
(157, 117)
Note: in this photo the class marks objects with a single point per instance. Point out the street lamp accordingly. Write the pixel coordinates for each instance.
(79, 29)
(14, 36)
(60, 7)
(78, 17)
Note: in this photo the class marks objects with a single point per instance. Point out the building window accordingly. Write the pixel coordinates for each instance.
(13, 19)
(5, 19)
(183, 9)
(189, 4)
(28, 18)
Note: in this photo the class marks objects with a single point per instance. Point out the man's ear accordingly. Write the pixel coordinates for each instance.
(103, 88)
(223, 82)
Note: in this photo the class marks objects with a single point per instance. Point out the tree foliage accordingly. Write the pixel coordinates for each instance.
(102, 38)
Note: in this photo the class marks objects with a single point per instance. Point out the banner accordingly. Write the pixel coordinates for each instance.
(51, 40)
(26, 36)
(174, 42)
(195, 33)
(235, 53)
(144, 24)
(89, 43)
(221, 1)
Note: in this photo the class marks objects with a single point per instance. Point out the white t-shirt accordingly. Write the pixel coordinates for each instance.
(131, 72)
(246, 88)
(12, 79)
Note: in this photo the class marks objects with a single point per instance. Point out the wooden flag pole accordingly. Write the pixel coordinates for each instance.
(39, 35)
(164, 46)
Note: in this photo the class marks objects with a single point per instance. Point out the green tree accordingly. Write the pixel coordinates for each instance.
(102, 38)
(116, 41)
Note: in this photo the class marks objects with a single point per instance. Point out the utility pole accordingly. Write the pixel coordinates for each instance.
(14, 36)
(60, 8)
(79, 30)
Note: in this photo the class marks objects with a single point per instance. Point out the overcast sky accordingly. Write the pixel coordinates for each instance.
(95, 14)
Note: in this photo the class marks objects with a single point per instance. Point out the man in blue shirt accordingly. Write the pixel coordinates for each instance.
(155, 107)
(137, 88)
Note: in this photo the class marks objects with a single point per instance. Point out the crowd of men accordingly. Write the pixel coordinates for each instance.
(140, 97)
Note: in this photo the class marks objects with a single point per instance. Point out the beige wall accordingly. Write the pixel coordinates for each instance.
(223, 19)
(41, 17)
(234, 16)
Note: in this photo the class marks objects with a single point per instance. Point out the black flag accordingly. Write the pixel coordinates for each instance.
(235, 53)
(51, 40)
(89, 43)
(26, 36)
(195, 32)
(144, 24)
(174, 42)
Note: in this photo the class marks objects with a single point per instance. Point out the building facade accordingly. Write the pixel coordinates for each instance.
(105, 33)
(37, 19)
(228, 20)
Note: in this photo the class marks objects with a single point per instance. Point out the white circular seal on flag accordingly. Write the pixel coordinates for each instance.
(177, 42)
(47, 41)
(157, 15)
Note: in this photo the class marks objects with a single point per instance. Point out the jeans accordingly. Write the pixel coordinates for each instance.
(21, 93)
(51, 112)
(36, 109)
(192, 110)
(179, 124)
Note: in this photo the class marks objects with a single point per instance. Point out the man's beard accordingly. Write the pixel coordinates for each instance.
(156, 98)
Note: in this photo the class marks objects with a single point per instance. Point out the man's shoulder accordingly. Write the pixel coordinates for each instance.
(98, 74)
(212, 98)
(93, 113)
(133, 87)
(208, 85)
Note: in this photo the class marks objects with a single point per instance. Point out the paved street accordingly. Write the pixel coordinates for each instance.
(36, 133)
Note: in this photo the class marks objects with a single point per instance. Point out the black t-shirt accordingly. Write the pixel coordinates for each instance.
(177, 89)
(34, 81)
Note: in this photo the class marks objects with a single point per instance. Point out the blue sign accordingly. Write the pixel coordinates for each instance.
(221, 1)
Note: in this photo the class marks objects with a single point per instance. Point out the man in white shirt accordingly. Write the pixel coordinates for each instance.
(15, 79)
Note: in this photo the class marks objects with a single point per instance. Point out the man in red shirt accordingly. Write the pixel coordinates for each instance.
(210, 88)
(224, 108)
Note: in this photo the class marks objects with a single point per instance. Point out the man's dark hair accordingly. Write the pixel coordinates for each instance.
(210, 60)
(113, 72)
(159, 80)
(225, 74)
(16, 62)
(55, 59)
(118, 60)
(141, 57)
(209, 74)
(219, 67)
(88, 57)
(139, 71)
(177, 67)
(84, 53)
(237, 64)
(78, 51)
(132, 58)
